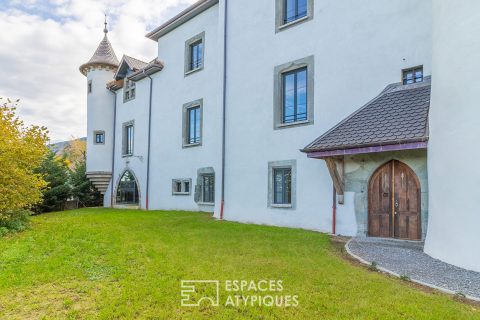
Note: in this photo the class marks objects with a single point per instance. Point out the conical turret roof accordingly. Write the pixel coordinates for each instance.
(103, 56)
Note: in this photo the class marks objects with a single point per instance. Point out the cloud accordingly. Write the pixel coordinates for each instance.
(42, 44)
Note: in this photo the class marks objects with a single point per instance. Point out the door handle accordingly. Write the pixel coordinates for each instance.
(396, 204)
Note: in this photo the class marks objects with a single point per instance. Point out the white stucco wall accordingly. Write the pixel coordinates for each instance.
(453, 234)
(99, 117)
(359, 47)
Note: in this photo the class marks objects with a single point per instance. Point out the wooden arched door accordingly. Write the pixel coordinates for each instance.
(394, 206)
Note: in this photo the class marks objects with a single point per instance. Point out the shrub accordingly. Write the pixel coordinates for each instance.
(14, 221)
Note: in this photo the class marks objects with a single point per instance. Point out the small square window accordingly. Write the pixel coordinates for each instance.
(99, 137)
(412, 75)
(181, 186)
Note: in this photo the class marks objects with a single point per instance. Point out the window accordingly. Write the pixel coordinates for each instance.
(282, 184)
(293, 93)
(412, 75)
(294, 89)
(208, 188)
(194, 53)
(128, 136)
(99, 137)
(205, 188)
(89, 86)
(192, 123)
(292, 12)
(127, 190)
(128, 90)
(181, 186)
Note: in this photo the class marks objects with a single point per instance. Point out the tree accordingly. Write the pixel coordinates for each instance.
(82, 188)
(22, 149)
(75, 152)
(55, 172)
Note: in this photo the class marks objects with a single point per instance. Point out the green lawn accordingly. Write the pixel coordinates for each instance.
(112, 264)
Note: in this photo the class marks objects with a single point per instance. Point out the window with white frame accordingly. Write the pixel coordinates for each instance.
(128, 90)
(181, 186)
(412, 75)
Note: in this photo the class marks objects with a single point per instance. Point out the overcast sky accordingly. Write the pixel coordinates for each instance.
(42, 44)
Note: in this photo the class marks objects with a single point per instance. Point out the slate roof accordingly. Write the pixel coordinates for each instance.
(133, 63)
(104, 55)
(399, 114)
(150, 68)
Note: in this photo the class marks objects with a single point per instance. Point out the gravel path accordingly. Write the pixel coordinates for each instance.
(408, 258)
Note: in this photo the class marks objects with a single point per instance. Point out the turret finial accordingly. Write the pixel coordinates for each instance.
(105, 30)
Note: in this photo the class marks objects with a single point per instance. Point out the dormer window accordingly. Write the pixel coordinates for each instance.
(128, 90)
(412, 75)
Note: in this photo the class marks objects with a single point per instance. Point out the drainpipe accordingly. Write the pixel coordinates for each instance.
(113, 147)
(334, 212)
(224, 106)
(148, 141)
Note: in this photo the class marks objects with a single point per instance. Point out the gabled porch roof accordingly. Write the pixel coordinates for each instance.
(397, 119)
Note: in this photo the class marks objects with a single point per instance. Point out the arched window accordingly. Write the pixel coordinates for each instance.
(127, 191)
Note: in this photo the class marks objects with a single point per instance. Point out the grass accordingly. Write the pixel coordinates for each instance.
(111, 264)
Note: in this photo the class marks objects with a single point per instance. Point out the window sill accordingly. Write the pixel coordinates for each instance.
(193, 71)
(293, 124)
(191, 145)
(180, 193)
(206, 204)
(292, 23)
(282, 206)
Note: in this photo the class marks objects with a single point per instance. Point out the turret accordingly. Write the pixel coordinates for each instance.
(100, 70)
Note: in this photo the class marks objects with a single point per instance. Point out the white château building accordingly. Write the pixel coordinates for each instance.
(352, 117)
